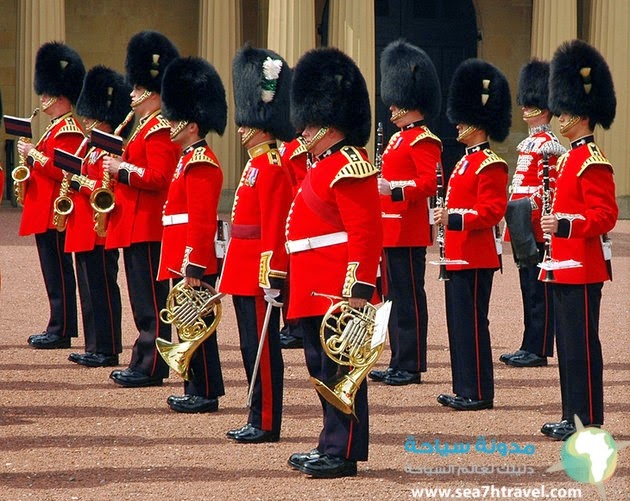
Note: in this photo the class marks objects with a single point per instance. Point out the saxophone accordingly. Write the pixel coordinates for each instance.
(102, 200)
(21, 172)
(63, 205)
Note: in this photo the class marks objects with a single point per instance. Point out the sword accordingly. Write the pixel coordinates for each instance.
(263, 336)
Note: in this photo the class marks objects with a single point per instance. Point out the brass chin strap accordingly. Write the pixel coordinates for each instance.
(398, 115)
(92, 126)
(533, 113)
(143, 97)
(466, 132)
(317, 138)
(47, 104)
(245, 138)
(567, 125)
(180, 127)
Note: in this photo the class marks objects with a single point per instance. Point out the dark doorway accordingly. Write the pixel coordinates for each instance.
(447, 31)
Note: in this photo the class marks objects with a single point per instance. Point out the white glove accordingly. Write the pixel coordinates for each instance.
(273, 297)
(384, 188)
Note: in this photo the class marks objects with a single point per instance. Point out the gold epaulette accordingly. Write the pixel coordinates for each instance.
(273, 156)
(300, 150)
(70, 127)
(161, 125)
(356, 166)
(199, 156)
(426, 133)
(491, 158)
(596, 157)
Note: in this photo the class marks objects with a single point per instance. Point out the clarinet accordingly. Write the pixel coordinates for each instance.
(546, 210)
(378, 157)
(439, 203)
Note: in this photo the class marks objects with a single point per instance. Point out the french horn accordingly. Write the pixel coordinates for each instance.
(346, 335)
(186, 309)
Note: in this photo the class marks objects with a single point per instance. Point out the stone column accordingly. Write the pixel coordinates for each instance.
(291, 30)
(219, 39)
(352, 31)
(39, 21)
(609, 34)
(552, 23)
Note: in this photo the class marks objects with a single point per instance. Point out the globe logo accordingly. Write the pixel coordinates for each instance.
(589, 456)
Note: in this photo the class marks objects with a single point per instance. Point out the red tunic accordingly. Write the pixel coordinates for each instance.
(256, 257)
(409, 164)
(80, 234)
(339, 193)
(45, 180)
(188, 247)
(528, 176)
(585, 206)
(294, 156)
(143, 180)
(476, 200)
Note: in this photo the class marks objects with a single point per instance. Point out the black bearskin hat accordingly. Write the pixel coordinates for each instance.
(581, 84)
(479, 95)
(409, 79)
(533, 85)
(192, 91)
(105, 97)
(330, 91)
(262, 83)
(59, 71)
(148, 55)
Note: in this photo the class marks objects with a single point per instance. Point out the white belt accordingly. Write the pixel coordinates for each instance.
(526, 190)
(174, 219)
(304, 244)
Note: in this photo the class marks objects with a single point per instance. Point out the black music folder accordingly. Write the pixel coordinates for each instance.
(105, 141)
(67, 161)
(16, 126)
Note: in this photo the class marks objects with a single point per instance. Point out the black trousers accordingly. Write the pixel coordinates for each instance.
(408, 321)
(206, 378)
(97, 275)
(342, 435)
(265, 412)
(538, 316)
(58, 271)
(579, 351)
(147, 297)
(467, 301)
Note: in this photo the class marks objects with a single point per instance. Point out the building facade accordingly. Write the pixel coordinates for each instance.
(504, 32)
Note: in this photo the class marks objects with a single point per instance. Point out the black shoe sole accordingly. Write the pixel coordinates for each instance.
(271, 439)
(52, 346)
(390, 382)
(125, 384)
(327, 474)
(514, 363)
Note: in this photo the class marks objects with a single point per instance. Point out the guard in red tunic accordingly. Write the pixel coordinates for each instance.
(582, 95)
(256, 261)
(193, 100)
(144, 174)
(104, 103)
(334, 237)
(411, 90)
(59, 75)
(295, 156)
(524, 212)
(479, 104)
